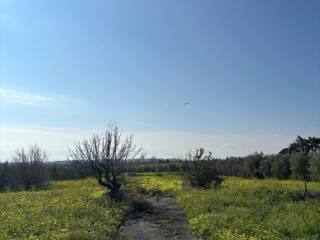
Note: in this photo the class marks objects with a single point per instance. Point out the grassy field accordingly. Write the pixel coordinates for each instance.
(240, 209)
(244, 209)
(71, 210)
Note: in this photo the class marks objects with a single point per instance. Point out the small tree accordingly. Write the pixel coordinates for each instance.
(300, 168)
(30, 169)
(302, 149)
(265, 167)
(106, 155)
(305, 145)
(252, 165)
(314, 143)
(315, 167)
(198, 169)
(281, 166)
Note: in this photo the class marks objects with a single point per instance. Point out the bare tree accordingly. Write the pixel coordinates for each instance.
(107, 155)
(30, 168)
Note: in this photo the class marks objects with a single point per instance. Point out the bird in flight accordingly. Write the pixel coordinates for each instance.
(186, 103)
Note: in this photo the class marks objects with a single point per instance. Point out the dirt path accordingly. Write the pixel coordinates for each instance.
(162, 220)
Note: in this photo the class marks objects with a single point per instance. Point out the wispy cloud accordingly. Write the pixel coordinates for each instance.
(23, 97)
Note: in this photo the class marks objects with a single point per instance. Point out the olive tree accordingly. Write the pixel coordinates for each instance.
(300, 168)
(315, 167)
(106, 155)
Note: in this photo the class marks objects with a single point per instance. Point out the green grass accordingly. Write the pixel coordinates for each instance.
(240, 209)
(71, 210)
(244, 208)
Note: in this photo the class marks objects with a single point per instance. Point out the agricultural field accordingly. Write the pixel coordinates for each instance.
(244, 208)
(71, 210)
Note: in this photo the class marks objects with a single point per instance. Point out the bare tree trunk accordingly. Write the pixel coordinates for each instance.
(115, 192)
(305, 185)
(306, 191)
(106, 155)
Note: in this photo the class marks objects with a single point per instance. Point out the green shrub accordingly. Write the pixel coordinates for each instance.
(198, 170)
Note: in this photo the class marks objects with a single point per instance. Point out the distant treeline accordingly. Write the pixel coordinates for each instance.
(278, 166)
(15, 176)
(31, 170)
(21, 176)
(256, 165)
(300, 160)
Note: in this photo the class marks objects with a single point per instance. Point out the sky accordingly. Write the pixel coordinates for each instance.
(250, 70)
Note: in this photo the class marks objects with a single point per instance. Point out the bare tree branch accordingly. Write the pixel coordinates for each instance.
(106, 155)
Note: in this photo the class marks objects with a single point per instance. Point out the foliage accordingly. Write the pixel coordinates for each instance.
(245, 209)
(198, 171)
(265, 168)
(256, 165)
(304, 145)
(281, 166)
(10, 179)
(74, 209)
(252, 165)
(315, 167)
(300, 168)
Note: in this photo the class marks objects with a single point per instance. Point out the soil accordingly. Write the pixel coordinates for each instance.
(159, 219)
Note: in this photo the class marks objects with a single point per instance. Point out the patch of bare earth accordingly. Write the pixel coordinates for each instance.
(163, 219)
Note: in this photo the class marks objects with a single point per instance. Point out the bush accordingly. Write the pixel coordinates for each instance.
(198, 170)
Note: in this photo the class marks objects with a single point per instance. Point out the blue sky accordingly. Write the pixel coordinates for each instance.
(250, 69)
